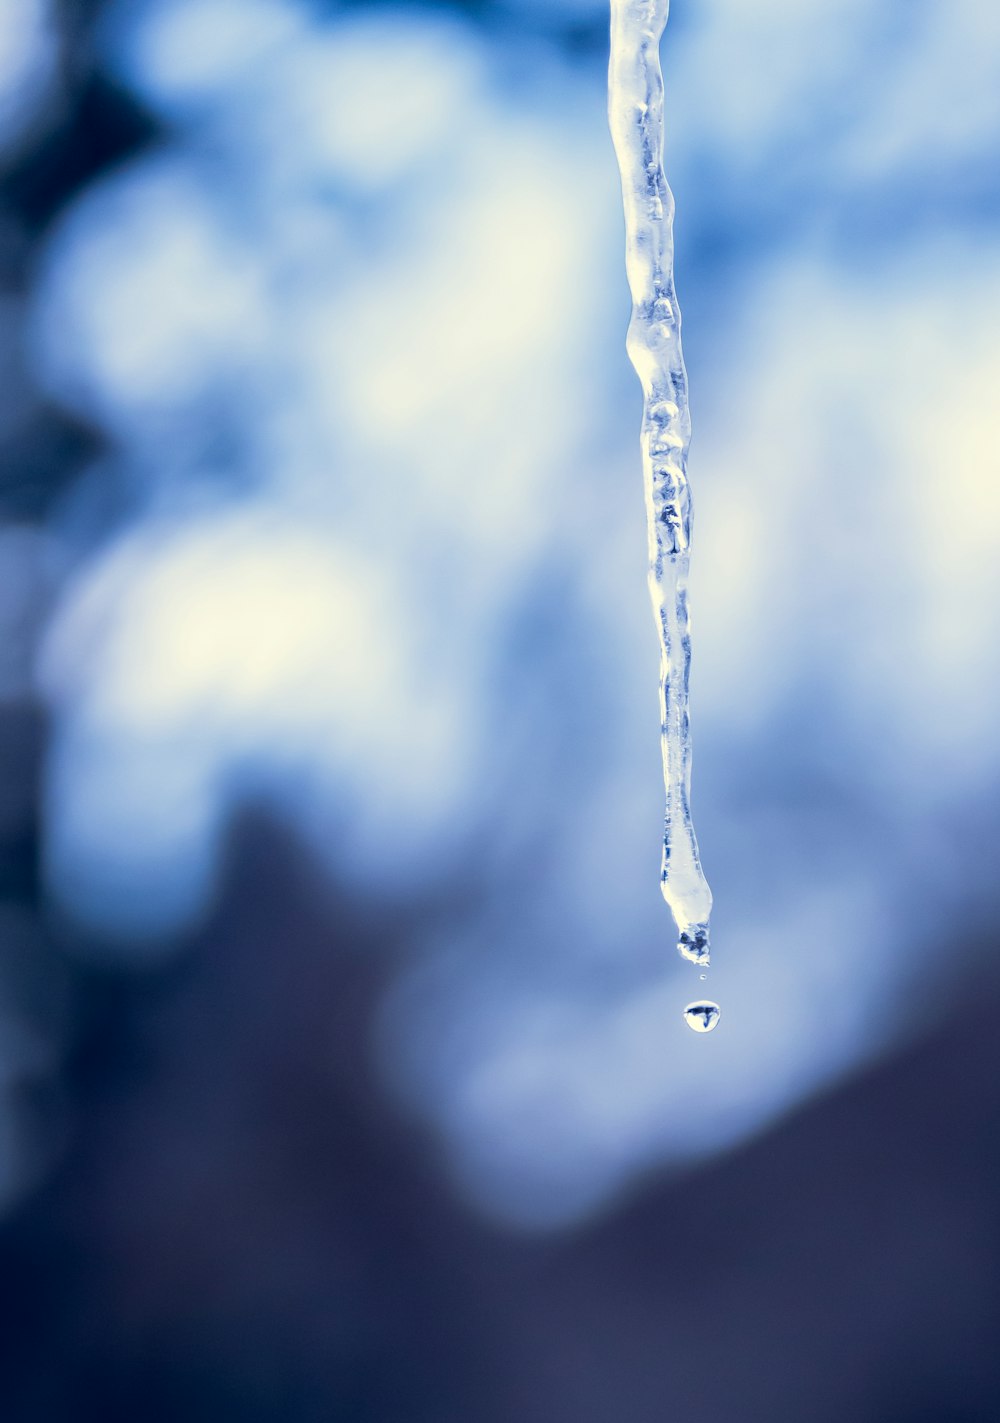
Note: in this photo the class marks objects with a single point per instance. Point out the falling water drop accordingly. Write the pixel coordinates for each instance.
(703, 1016)
(635, 113)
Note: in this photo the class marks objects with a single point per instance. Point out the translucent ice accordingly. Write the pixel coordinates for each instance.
(635, 110)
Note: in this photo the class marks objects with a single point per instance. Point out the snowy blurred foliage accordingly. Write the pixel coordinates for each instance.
(368, 543)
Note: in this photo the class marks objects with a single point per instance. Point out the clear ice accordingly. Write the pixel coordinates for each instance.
(635, 112)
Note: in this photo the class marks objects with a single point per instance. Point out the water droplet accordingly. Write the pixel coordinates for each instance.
(703, 976)
(703, 1016)
(693, 945)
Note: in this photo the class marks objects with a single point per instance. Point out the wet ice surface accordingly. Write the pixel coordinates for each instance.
(635, 111)
(693, 945)
(243, 624)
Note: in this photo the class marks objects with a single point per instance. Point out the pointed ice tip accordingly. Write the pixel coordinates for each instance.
(693, 944)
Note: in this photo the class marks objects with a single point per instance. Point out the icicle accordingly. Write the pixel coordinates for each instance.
(635, 109)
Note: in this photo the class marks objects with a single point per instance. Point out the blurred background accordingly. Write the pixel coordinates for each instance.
(342, 1067)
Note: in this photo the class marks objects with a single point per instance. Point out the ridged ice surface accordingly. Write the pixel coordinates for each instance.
(635, 109)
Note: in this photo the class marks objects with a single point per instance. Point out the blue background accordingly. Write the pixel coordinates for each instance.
(342, 1066)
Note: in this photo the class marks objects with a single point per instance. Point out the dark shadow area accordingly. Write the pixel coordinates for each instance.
(241, 1227)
